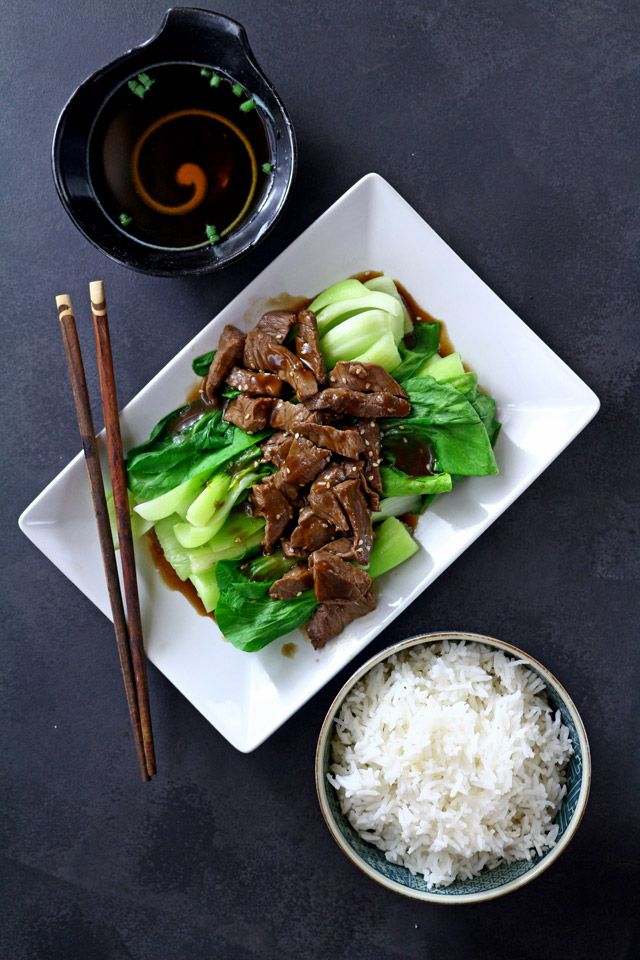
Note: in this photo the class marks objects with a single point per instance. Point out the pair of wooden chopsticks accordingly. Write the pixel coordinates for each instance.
(129, 638)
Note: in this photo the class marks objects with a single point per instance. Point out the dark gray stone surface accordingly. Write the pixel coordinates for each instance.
(512, 127)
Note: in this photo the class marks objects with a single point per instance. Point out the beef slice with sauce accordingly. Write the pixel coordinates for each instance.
(287, 416)
(293, 583)
(262, 352)
(336, 581)
(370, 432)
(270, 503)
(322, 497)
(311, 533)
(356, 403)
(330, 619)
(277, 324)
(303, 463)
(255, 384)
(346, 443)
(367, 377)
(230, 352)
(308, 345)
(276, 447)
(251, 414)
(342, 547)
(353, 501)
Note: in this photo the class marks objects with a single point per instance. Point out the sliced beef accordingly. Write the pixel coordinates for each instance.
(276, 324)
(251, 414)
(263, 353)
(311, 533)
(255, 384)
(369, 377)
(356, 403)
(330, 619)
(351, 495)
(369, 430)
(346, 443)
(308, 345)
(286, 416)
(271, 504)
(343, 547)
(276, 448)
(294, 582)
(336, 581)
(303, 463)
(229, 352)
(322, 496)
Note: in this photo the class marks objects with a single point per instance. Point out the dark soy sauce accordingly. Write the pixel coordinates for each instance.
(178, 156)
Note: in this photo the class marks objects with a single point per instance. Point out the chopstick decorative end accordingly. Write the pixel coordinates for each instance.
(98, 300)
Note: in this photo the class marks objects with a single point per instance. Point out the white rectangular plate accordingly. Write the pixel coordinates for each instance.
(542, 405)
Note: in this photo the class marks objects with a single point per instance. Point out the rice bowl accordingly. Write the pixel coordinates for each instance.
(452, 767)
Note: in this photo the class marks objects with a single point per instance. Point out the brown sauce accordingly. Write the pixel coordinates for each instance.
(181, 421)
(195, 392)
(171, 578)
(410, 519)
(181, 156)
(416, 459)
(289, 650)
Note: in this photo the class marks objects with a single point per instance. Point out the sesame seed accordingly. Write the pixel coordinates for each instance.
(401, 427)
(278, 516)
(404, 440)
(370, 479)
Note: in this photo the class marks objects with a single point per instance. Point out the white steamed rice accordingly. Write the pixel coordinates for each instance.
(449, 759)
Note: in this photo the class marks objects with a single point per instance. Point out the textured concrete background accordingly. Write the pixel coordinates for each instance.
(512, 127)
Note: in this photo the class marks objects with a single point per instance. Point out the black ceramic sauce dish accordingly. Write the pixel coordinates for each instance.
(187, 36)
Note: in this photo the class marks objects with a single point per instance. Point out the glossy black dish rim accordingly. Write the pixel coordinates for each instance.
(127, 250)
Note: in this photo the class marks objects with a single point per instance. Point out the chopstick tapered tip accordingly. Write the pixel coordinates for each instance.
(96, 292)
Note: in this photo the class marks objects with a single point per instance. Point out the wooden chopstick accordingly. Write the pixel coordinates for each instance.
(92, 460)
(121, 504)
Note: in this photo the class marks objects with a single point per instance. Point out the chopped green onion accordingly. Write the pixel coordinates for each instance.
(266, 168)
(145, 80)
(237, 89)
(212, 234)
(247, 106)
(124, 219)
(205, 72)
(137, 88)
(215, 81)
